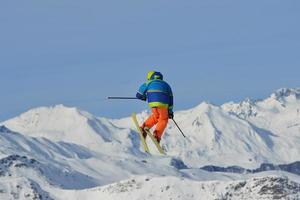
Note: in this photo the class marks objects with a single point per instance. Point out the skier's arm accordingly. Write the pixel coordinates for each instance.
(171, 104)
(171, 101)
(141, 94)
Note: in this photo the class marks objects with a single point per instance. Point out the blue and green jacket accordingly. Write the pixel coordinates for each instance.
(158, 93)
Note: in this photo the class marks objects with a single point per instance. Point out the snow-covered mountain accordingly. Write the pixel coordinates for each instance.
(144, 188)
(60, 123)
(256, 132)
(60, 152)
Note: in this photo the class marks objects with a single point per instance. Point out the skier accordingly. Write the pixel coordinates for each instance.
(160, 98)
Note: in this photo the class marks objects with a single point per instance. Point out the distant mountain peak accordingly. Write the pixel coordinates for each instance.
(59, 109)
(57, 113)
(243, 109)
(61, 123)
(286, 92)
(204, 107)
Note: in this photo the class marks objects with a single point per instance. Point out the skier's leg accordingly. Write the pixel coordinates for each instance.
(162, 123)
(151, 121)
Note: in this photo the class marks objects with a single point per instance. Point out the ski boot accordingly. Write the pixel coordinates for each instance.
(156, 137)
(144, 132)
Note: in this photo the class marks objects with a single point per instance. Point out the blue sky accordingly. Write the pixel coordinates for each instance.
(79, 52)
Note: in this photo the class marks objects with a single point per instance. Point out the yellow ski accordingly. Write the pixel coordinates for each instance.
(145, 146)
(155, 142)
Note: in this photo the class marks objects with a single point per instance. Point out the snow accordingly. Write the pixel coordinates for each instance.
(60, 123)
(64, 153)
(253, 131)
(146, 187)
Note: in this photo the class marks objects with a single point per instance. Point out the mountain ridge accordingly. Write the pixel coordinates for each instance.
(60, 152)
(261, 131)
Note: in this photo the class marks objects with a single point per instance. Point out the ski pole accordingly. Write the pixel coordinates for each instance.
(179, 128)
(121, 98)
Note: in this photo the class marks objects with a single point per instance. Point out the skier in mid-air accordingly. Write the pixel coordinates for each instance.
(160, 98)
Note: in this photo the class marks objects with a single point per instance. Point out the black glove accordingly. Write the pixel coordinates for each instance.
(171, 115)
(144, 98)
(141, 97)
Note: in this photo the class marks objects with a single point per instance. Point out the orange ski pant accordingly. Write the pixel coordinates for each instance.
(160, 118)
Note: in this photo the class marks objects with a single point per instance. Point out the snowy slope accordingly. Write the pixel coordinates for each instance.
(74, 166)
(23, 178)
(254, 131)
(66, 151)
(157, 188)
(60, 123)
(32, 166)
(278, 116)
(45, 168)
